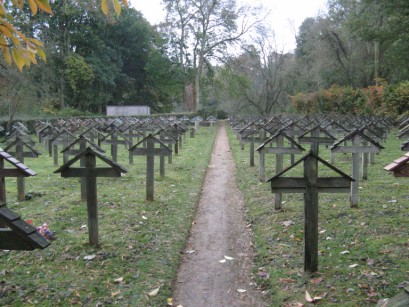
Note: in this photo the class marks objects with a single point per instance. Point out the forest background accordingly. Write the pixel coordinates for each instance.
(209, 56)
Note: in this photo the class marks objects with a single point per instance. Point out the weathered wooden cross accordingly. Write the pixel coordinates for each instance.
(19, 145)
(360, 144)
(150, 152)
(310, 185)
(279, 151)
(91, 172)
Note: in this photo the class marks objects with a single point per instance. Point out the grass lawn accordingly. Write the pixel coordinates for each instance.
(140, 241)
(363, 252)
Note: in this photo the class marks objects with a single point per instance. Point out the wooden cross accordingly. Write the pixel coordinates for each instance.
(357, 138)
(19, 145)
(19, 170)
(62, 138)
(279, 151)
(310, 185)
(91, 172)
(166, 138)
(117, 138)
(82, 142)
(316, 136)
(150, 152)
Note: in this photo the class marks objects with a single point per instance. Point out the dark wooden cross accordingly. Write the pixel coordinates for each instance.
(360, 144)
(150, 152)
(310, 185)
(75, 148)
(115, 138)
(316, 136)
(63, 138)
(166, 138)
(91, 172)
(21, 150)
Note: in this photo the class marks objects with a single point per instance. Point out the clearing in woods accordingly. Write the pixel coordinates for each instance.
(216, 265)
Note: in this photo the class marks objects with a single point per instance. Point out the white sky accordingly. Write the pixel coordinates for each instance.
(286, 15)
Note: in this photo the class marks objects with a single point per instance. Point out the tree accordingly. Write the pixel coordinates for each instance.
(201, 31)
(255, 81)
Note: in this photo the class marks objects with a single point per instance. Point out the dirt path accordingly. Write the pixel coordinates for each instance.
(219, 230)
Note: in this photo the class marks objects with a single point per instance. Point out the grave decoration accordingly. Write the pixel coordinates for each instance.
(310, 185)
(21, 150)
(357, 143)
(16, 234)
(90, 171)
(150, 152)
(279, 150)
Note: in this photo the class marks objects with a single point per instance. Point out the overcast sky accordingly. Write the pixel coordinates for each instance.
(286, 15)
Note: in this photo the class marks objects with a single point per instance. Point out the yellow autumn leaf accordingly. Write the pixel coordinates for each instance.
(15, 40)
(5, 49)
(125, 3)
(32, 58)
(33, 6)
(44, 5)
(31, 47)
(117, 7)
(18, 58)
(3, 12)
(5, 31)
(37, 42)
(19, 3)
(104, 6)
(41, 53)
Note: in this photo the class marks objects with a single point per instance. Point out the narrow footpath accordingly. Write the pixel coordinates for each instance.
(216, 265)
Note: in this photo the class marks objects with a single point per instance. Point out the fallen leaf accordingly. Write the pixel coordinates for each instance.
(286, 280)
(169, 301)
(344, 252)
(144, 217)
(228, 258)
(370, 262)
(191, 251)
(116, 293)
(310, 299)
(353, 265)
(154, 292)
(322, 231)
(119, 280)
(318, 280)
(287, 223)
(222, 261)
(241, 290)
(89, 257)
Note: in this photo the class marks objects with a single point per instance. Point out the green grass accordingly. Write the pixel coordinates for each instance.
(141, 241)
(375, 234)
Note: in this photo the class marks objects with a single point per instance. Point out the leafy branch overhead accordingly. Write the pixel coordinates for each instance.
(21, 50)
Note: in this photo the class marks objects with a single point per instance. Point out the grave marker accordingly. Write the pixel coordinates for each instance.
(150, 152)
(90, 172)
(310, 185)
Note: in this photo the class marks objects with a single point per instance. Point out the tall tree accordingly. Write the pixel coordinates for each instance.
(201, 31)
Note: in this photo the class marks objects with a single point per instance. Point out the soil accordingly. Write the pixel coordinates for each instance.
(207, 276)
